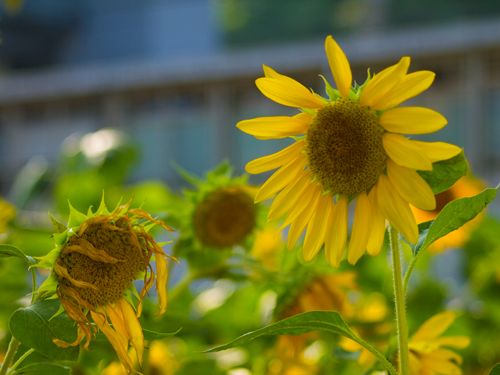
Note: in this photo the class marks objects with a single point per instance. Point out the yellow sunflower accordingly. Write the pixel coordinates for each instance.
(348, 148)
(93, 268)
(428, 355)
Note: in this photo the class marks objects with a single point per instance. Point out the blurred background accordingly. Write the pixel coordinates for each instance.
(177, 75)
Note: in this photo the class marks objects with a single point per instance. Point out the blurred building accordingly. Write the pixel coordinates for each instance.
(178, 75)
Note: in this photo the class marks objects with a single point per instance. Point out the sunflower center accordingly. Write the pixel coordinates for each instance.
(111, 279)
(344, 148)
(224, 218)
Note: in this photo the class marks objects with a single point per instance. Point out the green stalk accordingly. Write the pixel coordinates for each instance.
(399, 294)
(22, 358)
(9, 356)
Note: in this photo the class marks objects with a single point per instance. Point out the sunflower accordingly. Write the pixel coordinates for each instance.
(428, 355)
(348, 148)
(93, 268)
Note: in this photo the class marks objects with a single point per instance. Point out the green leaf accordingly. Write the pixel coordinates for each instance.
(148, 335)
(12, 251)
(344, 354)
(58, 227)
(33, 327)
(189, 177)
(454, 215)
(423, 229)
(445, 173)
(329, 321)
(495, 370)
(43, 369)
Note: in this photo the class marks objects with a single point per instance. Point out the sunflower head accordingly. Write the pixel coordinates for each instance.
(349, 148)
(96, 259)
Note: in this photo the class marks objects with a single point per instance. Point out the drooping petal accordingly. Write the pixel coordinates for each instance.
(405, 153)
(412, 120)
(316, 230)
(118, 325)
(115, 341)
(300, 223)
(361, 229)
(383, 82)
(84, 247)
(281, 178)
(286, 199)
(273, 127)
(411, 186)
(63, 344)
(287, 91)
(377, 233)
(396, 209)
(409, 86)
(133, 327)
(436, 151)
(434, 326)
(62, 271)
(336, 235)
(276, 160)
(339, 65)
(161, 280)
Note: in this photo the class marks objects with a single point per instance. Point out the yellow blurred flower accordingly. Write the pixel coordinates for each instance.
(93, 267)
(467, 186)
(266, 247)
(428, 353)
(7, 213)
(348, 148)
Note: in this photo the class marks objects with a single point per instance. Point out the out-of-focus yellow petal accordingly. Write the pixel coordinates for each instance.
(287, 91)
(361, 229)
(458, 342)
(287, 198)
(409, 86)
(339, 65)
(299, 224)
(436, 151)
(439, 365)
(434, 326)
(161, 281)
(411, 186)
(133, 327)
(276, 160)
(115, 341)
(316, 230)
(366, 360)
(336, 235)
(405, 153)
(383, 82)
(377, 233)
(412, 120)
(273, 127)
(396, 209)
(281, 178)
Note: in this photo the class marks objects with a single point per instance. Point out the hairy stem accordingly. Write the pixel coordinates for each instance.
(399, 294)
(9, 356)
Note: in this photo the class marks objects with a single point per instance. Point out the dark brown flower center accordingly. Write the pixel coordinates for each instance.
(224, 218)
(344, 148)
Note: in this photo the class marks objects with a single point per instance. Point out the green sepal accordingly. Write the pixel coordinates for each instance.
(324, 100)
(58, 312)
(61, 238)
(362, 87)
(150, 226)
(445, 173)
(102, 210)
(76, 218)
(187, 176)
(58, 227)
(307, 110)
(48, 260)
(330, 91)
(49, 285)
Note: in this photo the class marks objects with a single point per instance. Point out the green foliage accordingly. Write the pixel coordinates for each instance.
(445, 173)
(43, 369)
(495, 370)
(12, 251)
(148, 335)
(34, 327)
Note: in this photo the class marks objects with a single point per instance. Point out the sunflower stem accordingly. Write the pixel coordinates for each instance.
(22, 358)
(399, 294)
(9, 356)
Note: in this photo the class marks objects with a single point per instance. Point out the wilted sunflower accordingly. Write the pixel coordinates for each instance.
(93, 268)
(352, 149)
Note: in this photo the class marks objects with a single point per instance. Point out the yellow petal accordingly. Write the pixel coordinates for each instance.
(411, 186)
(276, 160)
(458, 342)
(412, 120)
(434, 326)
(299, 224)
(287, 91)
(316, 230)
(286, 199)
(301, 204)
(133, 327)
(115, 341)
(118, 325)
(161, 281)
(63, 272)
(440, 366)
(436, 151)
(273, 127)
(361, 228)
(383, 82)
(396, 209)
(409, 86)
(339, 65)
(366, 360)
(281, 178)
(336, 235)
(376, 239)
(444, 355)
(405, 153)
